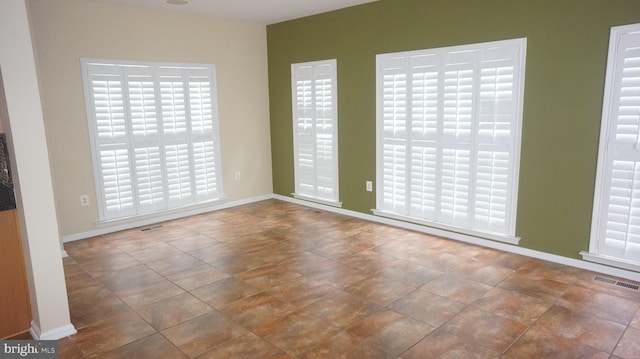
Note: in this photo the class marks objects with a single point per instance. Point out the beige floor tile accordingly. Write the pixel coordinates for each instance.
(193, 278)
(485, 329)
(342, 310)
(245, 346)
(203, 333)
(297, 332)
(427, 307)
(538, 343)
(256, 310)
(153, 346)
(629, 345)
(457, 288)
(171, 311)
(601, 305)
(512, 305)
(221, 293)
(584, 328)
(109, 335)
(345, 345)
(441, 344)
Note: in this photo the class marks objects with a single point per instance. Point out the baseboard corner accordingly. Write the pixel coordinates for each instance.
(53, 334)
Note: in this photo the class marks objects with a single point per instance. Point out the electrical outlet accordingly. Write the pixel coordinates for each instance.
(237, 175)
(84, 200)
(369, 186)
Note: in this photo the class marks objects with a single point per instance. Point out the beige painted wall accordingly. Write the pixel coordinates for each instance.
(66, 30)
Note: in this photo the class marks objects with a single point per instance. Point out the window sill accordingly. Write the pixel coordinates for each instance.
(484, 235)
(610, 261)
(317, 200)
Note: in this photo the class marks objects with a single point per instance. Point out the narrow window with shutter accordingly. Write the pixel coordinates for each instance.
(615, 227)
(154, 135)
(448, 137)
(315, 131)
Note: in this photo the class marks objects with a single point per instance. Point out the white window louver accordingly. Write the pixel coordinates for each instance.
(448, 136)
(154, 135)
(615, 230)
(314, 100)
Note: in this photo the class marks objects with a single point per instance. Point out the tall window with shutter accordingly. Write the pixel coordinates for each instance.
(615, 228)
(448, 136)
(154, 134)
(315, 131)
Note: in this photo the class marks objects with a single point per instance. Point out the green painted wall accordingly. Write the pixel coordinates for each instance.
(567, 42)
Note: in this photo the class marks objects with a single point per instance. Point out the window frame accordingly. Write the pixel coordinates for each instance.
(299, 192)
(191, 136)
(598, 251)
(520, 60)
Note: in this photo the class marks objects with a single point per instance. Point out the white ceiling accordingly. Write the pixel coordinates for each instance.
(261, 11)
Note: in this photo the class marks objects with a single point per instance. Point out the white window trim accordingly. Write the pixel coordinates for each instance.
(335, 201)
(509, 237)
(102, 218)
(317, 200)
(610, 261)
(451, 229)
(601, 187)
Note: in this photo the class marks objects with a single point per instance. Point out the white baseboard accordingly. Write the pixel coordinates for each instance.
(631, 275)
(609, 261)
(53, 334)
(122, 225)
(582, 264)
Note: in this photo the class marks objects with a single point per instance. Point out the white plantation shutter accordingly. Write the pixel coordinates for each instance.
(314, 101)
(394, 127)
(149, 179)
(154, 135)
(203, 127)
(117, 187)
(107, 85)
(178, 164)
(448, 135)
(144, 138)
(172, 94)
(206, 170)
(615, 230)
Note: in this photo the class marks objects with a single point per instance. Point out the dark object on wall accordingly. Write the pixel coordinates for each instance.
(7, 194)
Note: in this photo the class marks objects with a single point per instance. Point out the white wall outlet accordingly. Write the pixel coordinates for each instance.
(237, 175)
(84, 200)
(369, 186)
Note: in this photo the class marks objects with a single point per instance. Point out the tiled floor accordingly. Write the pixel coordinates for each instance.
(277, 280)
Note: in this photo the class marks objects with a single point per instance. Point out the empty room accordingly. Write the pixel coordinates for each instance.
(321, 179)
